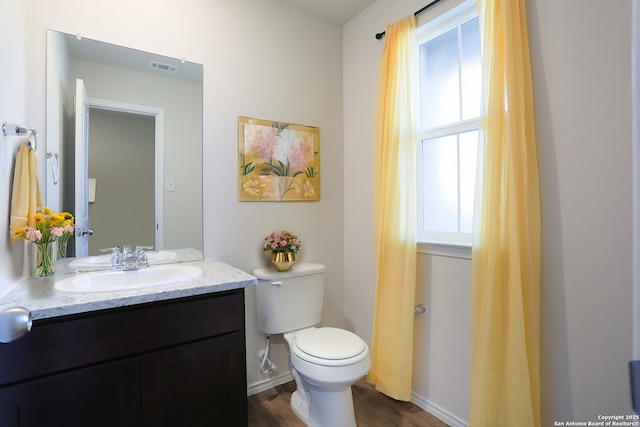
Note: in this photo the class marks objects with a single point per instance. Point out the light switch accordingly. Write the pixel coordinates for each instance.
(92, 190)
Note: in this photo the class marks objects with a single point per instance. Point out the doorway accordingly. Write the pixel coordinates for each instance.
(121, 179)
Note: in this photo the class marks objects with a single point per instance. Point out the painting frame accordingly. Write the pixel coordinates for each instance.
(277, 161)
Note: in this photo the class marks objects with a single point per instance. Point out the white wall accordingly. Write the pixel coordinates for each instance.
(581, 67)
(261, 59)
(442, 346)
(14, 92)
(580, 54)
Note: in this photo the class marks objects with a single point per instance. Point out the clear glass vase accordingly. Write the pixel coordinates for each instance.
(62, 246)
(45, 259)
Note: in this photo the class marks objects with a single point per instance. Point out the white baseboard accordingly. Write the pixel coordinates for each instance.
(268, 383)
(438, 411)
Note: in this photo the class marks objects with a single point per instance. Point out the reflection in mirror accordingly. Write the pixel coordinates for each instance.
(139, 178)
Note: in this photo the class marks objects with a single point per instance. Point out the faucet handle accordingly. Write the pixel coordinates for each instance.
(116, 257)
(140, 251)
(113, 249)
(143, 261)
(141, 256)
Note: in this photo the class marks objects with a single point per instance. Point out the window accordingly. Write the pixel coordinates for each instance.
(450, 87)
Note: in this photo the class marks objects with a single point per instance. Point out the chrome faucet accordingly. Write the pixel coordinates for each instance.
(127, 259)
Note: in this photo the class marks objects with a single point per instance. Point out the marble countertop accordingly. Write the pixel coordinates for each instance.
(38, 295)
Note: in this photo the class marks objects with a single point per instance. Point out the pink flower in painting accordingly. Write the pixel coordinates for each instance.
(299, 155)
(265, 144)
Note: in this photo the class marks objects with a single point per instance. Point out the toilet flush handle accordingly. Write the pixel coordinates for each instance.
(277, 283)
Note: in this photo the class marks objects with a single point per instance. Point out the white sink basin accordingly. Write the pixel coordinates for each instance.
(102, 262)
(115, 281)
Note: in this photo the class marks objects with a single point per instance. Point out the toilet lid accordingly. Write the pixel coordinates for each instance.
(330, 343)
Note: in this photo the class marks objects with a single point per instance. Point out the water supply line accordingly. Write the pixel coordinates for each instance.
(266, 365)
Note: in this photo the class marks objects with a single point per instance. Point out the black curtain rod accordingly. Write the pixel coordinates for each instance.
(418, 12)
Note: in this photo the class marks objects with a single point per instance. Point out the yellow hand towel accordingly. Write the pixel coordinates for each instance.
(25, 196)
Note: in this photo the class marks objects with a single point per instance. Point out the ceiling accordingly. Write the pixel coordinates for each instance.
(338, 11)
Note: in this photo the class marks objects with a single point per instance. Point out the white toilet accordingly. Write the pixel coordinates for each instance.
(325, 362)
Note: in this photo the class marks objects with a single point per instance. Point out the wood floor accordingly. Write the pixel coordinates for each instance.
(270, 408)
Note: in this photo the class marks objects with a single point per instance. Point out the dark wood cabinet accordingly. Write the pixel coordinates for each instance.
(205, 368)
(104, 395)
(173, 363)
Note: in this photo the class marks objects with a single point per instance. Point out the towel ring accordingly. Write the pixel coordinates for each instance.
(12, 129)
(32, 141)
(55, 166)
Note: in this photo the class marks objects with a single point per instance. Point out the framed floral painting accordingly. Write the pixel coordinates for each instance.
(277, 161)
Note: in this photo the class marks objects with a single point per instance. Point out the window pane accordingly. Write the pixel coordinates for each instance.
(440, 183)
(471, 69)
(468, 162)
(450, 107)
(439, 82)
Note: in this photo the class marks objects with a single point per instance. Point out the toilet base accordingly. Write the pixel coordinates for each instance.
(323, 397)
(330, 407)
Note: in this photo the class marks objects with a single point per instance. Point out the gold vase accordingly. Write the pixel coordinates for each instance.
(283, 261)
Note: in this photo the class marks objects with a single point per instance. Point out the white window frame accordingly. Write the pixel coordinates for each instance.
(457, 245)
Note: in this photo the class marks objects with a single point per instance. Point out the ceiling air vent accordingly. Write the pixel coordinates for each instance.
(163, 67)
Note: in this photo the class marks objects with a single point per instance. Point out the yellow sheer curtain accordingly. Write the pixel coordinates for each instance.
(505, 341)
(394, 213)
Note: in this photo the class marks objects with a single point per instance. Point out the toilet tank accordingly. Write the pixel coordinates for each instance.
(289, 300)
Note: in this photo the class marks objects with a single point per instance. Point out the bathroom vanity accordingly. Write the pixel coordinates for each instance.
(171, 356)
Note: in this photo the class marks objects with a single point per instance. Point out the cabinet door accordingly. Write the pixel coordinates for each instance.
(104, 395)
(197, 384)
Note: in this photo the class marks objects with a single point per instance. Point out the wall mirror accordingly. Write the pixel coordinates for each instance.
(141, 157)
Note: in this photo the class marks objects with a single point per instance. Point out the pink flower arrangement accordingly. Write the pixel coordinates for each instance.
(281, 241)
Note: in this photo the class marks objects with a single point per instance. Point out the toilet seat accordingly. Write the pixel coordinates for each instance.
(329, 347)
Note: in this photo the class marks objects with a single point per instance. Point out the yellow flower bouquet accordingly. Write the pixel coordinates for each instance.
(48, 228)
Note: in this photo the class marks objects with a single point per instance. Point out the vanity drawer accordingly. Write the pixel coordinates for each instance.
(69, 342)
